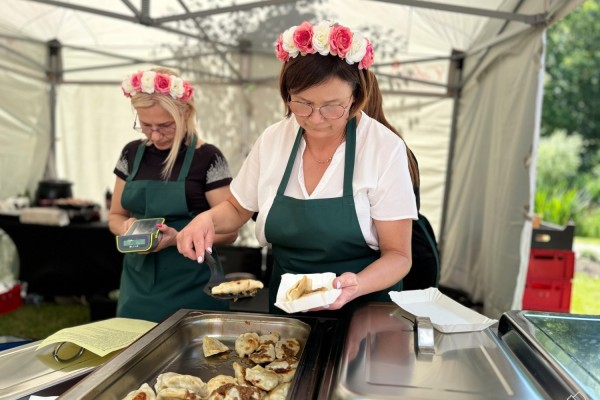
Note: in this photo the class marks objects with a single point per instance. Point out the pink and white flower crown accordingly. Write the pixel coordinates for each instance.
(157, 82)
(325, 38)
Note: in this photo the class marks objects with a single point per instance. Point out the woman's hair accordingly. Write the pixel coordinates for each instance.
(303, 72)
(183, 113)
(374, 108)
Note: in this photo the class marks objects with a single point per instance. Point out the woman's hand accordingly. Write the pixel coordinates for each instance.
(349, 283)
(168, 238)
(127, 224)
(197, 237)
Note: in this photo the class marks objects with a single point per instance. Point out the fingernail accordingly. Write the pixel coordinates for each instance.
(200, 260)
(326, 306)
(159, 225)
(338, 285)
(209, 249)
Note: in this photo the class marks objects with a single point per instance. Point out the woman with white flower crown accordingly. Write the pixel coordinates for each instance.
(331, 185)
(169, 173)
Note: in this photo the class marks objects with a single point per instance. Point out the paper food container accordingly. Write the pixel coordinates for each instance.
(315, 300)
(446, 315)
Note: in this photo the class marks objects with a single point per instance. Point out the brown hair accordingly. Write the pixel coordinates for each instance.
(374, 108)
(183, 113)
(303, 72)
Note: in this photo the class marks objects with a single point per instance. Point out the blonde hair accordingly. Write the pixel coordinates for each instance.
(183, 113)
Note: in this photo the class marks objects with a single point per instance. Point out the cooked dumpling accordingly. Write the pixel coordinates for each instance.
(145, 392)
(171, 380)
(265, 353)
(161, 380)
(246, 287)
(177, 394)
(239, 372)
(246, 343)
(283, 369)
(272, 337)
(219, 381)
(302, 286)
(286, 348)
(212, 346)
(262, 378)
(236, 392)
(279, 393)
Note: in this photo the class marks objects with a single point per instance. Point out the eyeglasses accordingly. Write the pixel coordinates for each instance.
(328, 112)
(163, 129)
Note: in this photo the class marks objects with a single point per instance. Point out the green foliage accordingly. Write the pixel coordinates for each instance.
(557, 205)
(572, 89)
(585, 296)
(588, 222)
(559, 157)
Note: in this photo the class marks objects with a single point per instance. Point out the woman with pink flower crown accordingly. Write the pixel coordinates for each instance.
(170, 173)
(330, 184)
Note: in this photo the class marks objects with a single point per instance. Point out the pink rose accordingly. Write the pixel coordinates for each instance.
(340, 40)
(136, 81)
(367, 60)
(162, 83)
(303, 38)
(188, 91)
(281, 54)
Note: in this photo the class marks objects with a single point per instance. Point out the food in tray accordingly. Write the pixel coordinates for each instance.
(145, 392)
(266, 367)
(246, 343)
(302, 288)
(212, 346)
(245, 287)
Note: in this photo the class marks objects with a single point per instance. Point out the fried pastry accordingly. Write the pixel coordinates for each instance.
(240, 372)
(145, 392)
(286, 348)
(246, 343)
(177, 394)
(245, 287)
(263, 354)
(230, 391)
(219, 381)
(279, 393)
(262, 378)
(212, 346)
(283, 369)
(172, 380)
(303, 285)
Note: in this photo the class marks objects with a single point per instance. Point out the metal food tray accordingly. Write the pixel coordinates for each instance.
(175, 345)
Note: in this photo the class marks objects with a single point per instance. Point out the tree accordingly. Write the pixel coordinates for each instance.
(572, 89)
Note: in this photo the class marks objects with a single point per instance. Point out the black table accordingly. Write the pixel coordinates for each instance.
(78, 259)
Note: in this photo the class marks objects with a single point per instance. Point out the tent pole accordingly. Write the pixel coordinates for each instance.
(456, 69)
(54, 72)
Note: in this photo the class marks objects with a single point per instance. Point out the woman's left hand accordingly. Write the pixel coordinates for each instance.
(169, 237)
(349, 283)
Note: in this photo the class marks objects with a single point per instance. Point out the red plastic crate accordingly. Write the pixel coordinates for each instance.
(11, 300)
(547, 296)
(545, 264)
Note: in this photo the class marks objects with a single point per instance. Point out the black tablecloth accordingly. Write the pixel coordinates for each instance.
(77, 259)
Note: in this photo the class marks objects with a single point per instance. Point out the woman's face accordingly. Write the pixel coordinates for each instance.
(328, 100)
(158, 125)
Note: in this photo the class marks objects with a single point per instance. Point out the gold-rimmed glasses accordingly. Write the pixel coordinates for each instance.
(164, 129)
(330, 111)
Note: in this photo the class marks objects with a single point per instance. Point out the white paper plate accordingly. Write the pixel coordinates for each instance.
(306, 303)
(446, 314)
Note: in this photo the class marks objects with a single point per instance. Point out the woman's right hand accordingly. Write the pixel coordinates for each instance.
(197, 237)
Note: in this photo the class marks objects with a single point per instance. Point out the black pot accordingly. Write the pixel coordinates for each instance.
(52, 189)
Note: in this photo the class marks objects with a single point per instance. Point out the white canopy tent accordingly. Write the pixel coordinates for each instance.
(461, 79)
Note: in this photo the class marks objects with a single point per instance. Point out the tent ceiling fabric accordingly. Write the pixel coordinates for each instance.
(450, 116)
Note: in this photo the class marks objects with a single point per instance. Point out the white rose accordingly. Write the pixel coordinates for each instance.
(176, 87)
(148, 82)
(357, 49)
(320, 39)
(288, 42)
(127, 87)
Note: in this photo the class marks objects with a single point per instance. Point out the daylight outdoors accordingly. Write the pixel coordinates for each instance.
(568, 180)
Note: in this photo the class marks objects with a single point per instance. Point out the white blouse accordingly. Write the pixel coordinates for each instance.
(381, 183)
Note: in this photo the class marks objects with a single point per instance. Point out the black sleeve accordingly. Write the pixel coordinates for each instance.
(126, 158)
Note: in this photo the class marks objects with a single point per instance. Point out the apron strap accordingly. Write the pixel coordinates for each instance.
(187, 161)
(138, 159)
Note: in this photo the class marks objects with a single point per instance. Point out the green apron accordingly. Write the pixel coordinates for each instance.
(319, 235)
(155, 285)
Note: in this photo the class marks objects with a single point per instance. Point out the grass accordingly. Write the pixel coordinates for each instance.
(585, 296)
(587, 240)
(40, 321)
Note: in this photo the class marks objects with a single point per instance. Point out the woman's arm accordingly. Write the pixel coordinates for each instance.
(393, 264)
(215, 197)
(119, 219)
(199, 234)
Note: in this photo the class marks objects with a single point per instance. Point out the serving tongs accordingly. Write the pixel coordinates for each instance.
(216, 278)
(424, 336)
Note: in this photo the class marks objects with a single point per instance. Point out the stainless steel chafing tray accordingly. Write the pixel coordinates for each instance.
(379, 361)
(175, 345)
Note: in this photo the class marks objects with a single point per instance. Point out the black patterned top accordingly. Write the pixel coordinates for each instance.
(209, 170)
